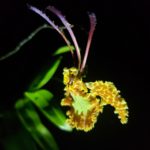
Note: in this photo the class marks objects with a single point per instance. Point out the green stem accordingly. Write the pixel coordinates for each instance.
(22, 43)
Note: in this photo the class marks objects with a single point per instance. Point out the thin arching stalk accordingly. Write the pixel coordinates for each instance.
(25, 41)
(43, 15)
(67, 25)
(90, 36)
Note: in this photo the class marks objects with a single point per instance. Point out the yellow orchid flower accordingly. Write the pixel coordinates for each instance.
(85, 100)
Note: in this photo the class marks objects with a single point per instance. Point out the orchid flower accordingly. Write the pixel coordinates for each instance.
(85, 99)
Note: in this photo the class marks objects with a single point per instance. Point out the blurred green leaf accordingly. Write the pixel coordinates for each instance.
(21, 140)
(44, 77)
(20, 103)
(31, 121)
(56, 115)
(63, 49)
(41, 98)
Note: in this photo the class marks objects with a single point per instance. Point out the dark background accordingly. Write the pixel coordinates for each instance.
(119, 53)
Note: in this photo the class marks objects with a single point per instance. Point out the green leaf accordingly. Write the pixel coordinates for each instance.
(41, 98)
(20, 140)
(63, 49)
(57, 117)
(44, 77)
(31, 121)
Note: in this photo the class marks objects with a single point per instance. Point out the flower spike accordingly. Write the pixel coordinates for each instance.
(67, 25)
(43, 15)
(92, 18)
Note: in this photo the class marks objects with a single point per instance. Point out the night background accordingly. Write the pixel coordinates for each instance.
(119, 53)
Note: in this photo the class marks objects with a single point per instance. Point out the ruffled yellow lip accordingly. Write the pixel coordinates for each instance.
(85, 106)
(83, 111)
